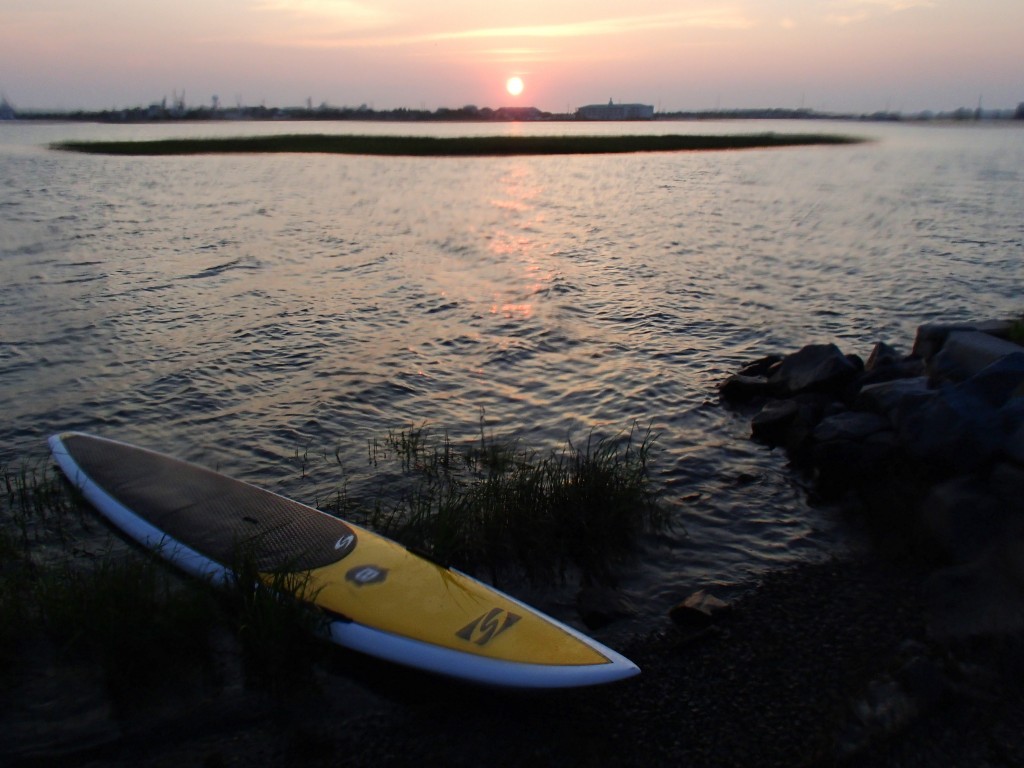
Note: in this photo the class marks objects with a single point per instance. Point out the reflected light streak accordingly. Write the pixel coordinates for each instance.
(519, 191)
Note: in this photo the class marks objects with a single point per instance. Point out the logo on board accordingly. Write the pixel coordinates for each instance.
(488, 626)
(364, 575)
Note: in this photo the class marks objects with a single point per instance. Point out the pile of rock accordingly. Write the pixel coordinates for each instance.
(929, 446)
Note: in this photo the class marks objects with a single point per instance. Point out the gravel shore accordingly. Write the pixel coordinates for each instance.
(821, 664)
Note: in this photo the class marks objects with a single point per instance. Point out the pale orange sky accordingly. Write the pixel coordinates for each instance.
(830, 55)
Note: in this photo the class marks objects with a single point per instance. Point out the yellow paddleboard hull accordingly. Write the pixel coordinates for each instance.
(381, 598)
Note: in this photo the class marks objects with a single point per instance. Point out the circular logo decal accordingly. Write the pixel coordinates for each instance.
(363, 575)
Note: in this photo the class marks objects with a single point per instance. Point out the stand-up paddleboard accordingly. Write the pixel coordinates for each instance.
(380, 598)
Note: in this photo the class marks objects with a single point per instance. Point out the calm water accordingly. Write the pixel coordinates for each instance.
(239, 310)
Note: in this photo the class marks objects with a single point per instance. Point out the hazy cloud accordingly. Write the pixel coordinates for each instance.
(854, 11)
(719, 18)
(345, 12)
(711, 19)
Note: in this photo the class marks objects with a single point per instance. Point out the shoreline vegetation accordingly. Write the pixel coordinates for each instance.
(490, 506)
(467, 146)
(109, 658)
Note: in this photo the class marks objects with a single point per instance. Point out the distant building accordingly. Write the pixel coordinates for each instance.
(612, 111)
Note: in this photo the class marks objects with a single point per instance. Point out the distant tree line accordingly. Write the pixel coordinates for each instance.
(178, 111)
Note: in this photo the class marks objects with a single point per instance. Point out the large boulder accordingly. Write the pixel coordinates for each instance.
(750, 383)
(851, 448)
(999, 381)
(967, 353)
(850, 426)
(886, 364)
(815, 368)
(931, 337)
(953, 432)
(773, 422)
(740, 388)
(895, 399)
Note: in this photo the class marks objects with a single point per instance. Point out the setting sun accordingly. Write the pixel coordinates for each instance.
(514, 85)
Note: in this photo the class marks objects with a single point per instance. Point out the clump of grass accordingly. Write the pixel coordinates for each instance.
(494, 505)
(36, 532)
(15, 585)
(277, 628)
(39, 508)
(128, 614)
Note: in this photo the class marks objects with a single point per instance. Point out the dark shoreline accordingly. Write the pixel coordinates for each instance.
(466, 146)
(799, 674)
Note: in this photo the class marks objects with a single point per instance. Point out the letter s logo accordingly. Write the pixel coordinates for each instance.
(488, 626)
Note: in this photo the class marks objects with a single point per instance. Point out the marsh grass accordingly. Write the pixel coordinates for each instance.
(129, 615)
(15, 597)
(277, 628)
(39, 519)
(39, 509)
(125, 612)
(493, 505)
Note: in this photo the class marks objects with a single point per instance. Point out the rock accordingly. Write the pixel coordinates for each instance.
(952, 432)
(931, 337)
(761, 368)
(844, 454)
(890, 439)
(850, 425)
(743, 389)
(882, 356)
(813, 407)
(895, 398)
(815, 368)
(841, 464)
(772, 424)
(907, 369)
(699, 611)
(999, 382)
(967, 353)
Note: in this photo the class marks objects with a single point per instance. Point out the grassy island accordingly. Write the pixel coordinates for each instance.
(465, 146)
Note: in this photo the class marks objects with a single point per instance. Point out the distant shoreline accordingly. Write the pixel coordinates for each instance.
(467, 146)
(178, 112)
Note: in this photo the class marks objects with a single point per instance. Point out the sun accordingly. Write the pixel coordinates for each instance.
(514, 85)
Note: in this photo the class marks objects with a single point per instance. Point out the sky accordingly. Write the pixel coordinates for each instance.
(855, 56)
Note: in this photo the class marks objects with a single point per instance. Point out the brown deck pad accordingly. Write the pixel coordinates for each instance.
(221, 518)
